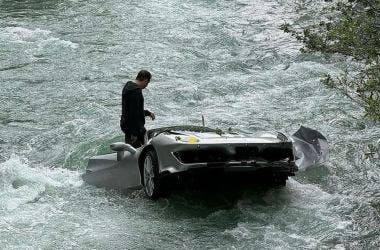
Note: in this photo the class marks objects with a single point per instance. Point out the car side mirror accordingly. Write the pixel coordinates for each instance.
(120, 147)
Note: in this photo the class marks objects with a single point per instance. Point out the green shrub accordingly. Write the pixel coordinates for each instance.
(352, 29)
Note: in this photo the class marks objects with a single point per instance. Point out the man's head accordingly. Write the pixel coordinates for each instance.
(143, 78)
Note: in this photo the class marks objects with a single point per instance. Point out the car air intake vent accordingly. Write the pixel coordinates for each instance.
(240, 154)
(246, 153)
(202, 155)
(270, 154)
(276, 154)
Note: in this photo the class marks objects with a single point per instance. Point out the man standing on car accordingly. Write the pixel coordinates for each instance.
(133, 114)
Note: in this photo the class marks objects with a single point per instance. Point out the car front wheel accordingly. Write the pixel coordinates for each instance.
(152, 185)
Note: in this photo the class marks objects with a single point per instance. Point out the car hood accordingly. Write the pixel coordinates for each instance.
(212, 138)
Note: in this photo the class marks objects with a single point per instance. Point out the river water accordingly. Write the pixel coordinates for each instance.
(62, 67)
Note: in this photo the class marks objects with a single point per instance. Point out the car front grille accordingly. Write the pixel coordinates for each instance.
(237, 154)
(202, 155)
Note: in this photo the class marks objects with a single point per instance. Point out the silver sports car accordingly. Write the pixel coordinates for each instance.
(194, 156)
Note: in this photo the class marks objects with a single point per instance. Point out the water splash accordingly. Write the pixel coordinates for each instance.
(20, 183)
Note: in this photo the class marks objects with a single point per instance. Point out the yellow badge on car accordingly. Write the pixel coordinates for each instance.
(192, 139)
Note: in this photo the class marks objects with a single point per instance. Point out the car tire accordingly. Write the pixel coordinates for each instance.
(152, 183)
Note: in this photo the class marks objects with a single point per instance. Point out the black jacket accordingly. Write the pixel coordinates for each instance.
(133, 114)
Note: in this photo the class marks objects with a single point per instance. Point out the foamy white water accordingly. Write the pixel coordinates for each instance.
(62, 68)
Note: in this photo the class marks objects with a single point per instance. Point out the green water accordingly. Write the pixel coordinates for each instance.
(62, 67)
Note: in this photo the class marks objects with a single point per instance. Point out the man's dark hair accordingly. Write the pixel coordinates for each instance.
(143, 75)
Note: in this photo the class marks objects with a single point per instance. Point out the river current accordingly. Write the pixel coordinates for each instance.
(62, 67)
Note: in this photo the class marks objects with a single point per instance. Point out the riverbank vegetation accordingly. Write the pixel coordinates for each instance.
(350, 28)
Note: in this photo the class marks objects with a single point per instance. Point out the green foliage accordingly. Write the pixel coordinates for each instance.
(352, 29)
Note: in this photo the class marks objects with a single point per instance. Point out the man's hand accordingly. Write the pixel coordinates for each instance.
(152, 116)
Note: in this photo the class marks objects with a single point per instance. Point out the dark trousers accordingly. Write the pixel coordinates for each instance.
(135, 141)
